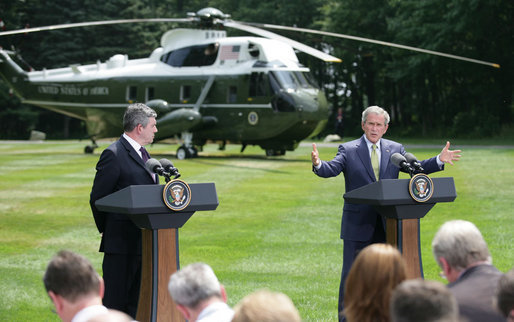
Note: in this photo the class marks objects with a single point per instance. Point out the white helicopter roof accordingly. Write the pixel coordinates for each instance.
(280, 56)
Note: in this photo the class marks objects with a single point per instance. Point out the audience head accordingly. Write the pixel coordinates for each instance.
(420, 300)
(194, 287)
(375, 272)
(457, 245)
(72, 284)
(266, 306)
(505, 295)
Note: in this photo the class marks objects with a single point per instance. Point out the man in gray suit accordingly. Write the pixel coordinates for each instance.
(362, 162)
(462, 253)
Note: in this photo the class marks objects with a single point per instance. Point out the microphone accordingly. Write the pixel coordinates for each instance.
(155, 166)
(169, 168)
(399, 160)
(414, 162)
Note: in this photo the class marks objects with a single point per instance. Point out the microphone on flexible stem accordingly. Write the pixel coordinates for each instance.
(168, 167)
(414, 162)
(155, 166)
(399, 160)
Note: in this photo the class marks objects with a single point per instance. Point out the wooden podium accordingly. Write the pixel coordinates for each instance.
(160, 248)
(391, 198)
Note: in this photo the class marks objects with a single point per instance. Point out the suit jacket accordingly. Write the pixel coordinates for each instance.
(119, 166)
(475, 291)
(353, 159)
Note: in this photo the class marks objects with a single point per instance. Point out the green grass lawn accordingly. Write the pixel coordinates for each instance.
(277, 225)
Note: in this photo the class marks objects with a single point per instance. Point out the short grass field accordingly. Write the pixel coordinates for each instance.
(276, 227)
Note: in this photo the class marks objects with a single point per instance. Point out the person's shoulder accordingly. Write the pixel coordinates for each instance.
(353, 143)
(390, 142)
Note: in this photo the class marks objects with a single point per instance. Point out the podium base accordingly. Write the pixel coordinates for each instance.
(404, 235)
(160, 260)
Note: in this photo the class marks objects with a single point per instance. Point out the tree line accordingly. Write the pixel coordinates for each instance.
(426, 95)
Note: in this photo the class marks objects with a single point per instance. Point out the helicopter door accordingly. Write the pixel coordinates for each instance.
(257, 85)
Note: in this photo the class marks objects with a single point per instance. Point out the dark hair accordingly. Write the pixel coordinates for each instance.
(135, 114)
(71, 276)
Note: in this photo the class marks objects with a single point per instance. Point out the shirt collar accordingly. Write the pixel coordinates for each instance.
(133, 143)
(89, 312)
(369, 143)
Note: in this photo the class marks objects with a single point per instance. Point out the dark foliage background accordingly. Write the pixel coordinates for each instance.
(426, 95)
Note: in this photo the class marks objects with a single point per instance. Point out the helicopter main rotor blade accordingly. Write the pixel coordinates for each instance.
(92, 23)
(373, 41)
(297, 45)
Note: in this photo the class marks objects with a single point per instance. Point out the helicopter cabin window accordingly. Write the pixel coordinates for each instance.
(132, 93)
(185, 92)
(232, 94)
(258, 83)
(150, 93)
(200, 55)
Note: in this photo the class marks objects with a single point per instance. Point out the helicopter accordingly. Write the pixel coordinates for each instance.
(204, 86)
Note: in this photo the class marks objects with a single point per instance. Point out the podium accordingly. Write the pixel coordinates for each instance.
(160, 252)
(391, 198)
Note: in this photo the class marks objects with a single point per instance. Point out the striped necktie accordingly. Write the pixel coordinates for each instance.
(374, 161)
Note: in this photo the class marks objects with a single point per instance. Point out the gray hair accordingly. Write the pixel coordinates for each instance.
(423, 301)
(135, 114)
(460, 243)
(194, 284)
(375, 110)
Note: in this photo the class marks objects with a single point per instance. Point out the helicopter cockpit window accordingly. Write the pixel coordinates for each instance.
(286, 79)
(200, 55)
(306, 80)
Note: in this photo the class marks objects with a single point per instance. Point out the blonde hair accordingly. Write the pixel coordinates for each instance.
(377, 270)
(266, 306)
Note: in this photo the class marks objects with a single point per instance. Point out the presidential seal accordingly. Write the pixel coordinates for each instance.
(176, 195)
(253, 118)
(421, 187)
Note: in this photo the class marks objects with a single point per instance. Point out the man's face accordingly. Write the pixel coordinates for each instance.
(374, 127)
(146, 134)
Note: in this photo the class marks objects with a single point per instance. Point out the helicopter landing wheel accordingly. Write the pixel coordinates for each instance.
(89, 149)
(186, 153)
(274, 153)
(182, 153)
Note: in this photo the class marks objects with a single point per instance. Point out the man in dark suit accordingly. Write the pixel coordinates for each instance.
(462, 253)
(362, 164)
(123, 164)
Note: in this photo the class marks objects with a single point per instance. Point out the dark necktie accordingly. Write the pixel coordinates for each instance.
(144, 154)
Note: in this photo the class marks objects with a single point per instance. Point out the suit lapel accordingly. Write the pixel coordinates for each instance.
(385, 156)
(363, 153)
(134, 155)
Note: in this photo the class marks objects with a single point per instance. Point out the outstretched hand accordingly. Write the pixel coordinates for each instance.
(315, 155)
(448, 156)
